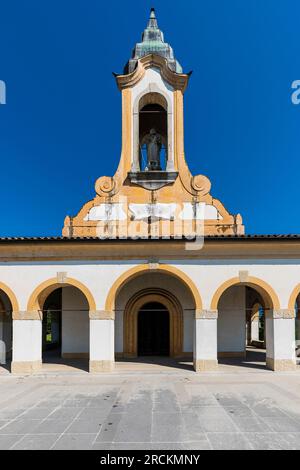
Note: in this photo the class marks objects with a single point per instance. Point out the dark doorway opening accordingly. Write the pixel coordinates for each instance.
(52, 325)
(6, 331)
(153, 330)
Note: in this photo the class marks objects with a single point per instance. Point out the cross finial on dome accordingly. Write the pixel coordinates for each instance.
(152, 20)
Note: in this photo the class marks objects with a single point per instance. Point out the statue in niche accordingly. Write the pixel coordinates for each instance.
(153, 142)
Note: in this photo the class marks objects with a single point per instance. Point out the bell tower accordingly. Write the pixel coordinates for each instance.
(152, 184)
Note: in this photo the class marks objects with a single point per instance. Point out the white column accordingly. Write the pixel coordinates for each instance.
(255, 329)
(280, 339)
(102, 341)
(205, 340)
(27, 346)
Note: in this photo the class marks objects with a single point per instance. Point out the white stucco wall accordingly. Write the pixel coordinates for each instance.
(27, 340)
(284, 331)
(232, 320)
(102, 340)
(98, 276)
(280, 338)
(75, 322)
(205, 339)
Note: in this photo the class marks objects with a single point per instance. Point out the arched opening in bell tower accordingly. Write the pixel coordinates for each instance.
(153, 132)
(152, 158)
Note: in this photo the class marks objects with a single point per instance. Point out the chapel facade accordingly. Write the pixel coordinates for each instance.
(154, 265)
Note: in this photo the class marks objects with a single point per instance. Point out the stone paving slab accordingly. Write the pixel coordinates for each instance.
(229, 441)
(152, 412)
(75, 442)
(36, 442)
(85, 426)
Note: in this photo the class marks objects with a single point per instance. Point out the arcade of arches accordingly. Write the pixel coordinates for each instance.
(154, 315)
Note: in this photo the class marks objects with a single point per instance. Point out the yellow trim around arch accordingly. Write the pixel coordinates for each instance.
(267, 292)
(130, 321)
(143, 268)
(12, 298)
(293, 297)
(41, 292)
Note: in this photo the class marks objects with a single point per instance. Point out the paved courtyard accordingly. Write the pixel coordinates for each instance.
(157, 408)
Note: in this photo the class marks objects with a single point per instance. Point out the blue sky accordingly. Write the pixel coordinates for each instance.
(61, 126)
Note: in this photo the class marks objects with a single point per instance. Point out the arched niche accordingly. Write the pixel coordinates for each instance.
(152, 109)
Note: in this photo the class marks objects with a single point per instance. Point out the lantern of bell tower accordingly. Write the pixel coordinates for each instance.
(153, 76)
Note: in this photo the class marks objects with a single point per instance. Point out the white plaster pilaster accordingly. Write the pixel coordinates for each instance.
(205, 340)
(280, 339)
(27, 346)
(102, 344)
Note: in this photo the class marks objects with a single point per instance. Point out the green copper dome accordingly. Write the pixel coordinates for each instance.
(153, 43)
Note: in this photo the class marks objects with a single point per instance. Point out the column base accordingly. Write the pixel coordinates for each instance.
(204, 365)
(280, 364)
(101, 366)
(26, 367)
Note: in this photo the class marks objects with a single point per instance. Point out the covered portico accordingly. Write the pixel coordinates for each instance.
(109, 309)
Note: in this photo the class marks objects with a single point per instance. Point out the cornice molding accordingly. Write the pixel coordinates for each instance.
(178, 81)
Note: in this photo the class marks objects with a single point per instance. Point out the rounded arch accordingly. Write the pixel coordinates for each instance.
(133, 306)
(41, 292)
(293, 297)
(267, 293)
(155, 96)
(11, 296)
(143, 268)
(158, 96)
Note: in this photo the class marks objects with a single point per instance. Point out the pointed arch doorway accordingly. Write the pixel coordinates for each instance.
(153, 324)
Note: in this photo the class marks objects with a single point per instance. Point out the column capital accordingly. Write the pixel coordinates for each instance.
(27, 315)
(206, 314)
(101, 315)
(283, 313)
